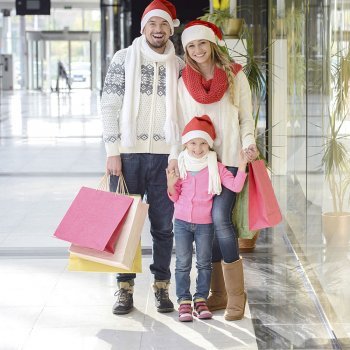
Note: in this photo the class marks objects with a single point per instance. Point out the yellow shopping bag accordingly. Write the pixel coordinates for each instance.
(79, 264)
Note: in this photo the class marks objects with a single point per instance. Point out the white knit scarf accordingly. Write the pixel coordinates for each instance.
(188, 163)
(132, 90)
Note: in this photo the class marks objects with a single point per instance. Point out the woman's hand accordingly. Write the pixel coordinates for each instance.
(251, 152)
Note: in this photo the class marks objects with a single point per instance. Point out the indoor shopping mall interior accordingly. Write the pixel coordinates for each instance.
(297, 276)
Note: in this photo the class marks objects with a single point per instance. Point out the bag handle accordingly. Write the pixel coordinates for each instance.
(121, 186)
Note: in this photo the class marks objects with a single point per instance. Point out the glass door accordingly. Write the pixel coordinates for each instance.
(35, 52)
(75, 55)
(80, 64)
(58, 53)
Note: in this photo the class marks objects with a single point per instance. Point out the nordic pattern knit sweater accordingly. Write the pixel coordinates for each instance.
(152, 111)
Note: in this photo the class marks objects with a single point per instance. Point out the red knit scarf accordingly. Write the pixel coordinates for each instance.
(207, 91)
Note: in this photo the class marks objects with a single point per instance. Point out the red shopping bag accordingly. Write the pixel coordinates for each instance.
(263, 207)
(94, 219)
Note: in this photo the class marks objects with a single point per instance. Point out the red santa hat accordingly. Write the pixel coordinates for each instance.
(160, 8)
(199, 127)
(199, 30)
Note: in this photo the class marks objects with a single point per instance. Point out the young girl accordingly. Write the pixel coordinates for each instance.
(213, 84)
(200, 179)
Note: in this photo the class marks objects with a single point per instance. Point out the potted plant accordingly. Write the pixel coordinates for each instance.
(294, 23)
(254, 69)
(226, 20)
(336, 157)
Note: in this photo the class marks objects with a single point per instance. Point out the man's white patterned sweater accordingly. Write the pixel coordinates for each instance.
(152, 110)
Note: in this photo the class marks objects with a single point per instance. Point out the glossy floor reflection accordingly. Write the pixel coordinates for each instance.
(50, 147)
(325, 259)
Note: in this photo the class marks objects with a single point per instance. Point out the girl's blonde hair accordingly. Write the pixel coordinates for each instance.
(220, 59)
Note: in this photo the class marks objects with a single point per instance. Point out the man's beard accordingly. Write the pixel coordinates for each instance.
(157, 46)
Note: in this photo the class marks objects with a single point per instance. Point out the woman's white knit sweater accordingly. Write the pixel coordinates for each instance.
(234, 125)
(152, 108)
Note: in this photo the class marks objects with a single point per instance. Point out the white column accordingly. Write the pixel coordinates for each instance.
(279, 106)
(6, 32)
(233, 8)
(23, 53)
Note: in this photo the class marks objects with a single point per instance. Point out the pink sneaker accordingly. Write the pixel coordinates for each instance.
(201, 310)
(185, 312)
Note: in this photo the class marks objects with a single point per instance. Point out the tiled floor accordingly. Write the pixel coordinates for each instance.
(50, 146)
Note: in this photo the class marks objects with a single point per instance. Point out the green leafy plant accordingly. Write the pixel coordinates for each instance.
(336, 157)
(292, 28)
(336, 162)
(227, 21)
(218, 17)
(254, 68)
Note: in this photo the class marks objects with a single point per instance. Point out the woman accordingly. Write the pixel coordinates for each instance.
(213, 84)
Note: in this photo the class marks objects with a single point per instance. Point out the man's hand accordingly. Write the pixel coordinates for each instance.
(172, 166)
(114, 165)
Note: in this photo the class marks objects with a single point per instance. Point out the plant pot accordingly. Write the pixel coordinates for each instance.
(247, 245)
(232, 26)
(280, 28)
(336, 228)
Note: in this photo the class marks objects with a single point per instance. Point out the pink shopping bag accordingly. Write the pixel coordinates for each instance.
(94, 219)
(263, 208)
(127, 241)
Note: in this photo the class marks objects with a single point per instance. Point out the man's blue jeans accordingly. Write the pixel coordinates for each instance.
(145, 175)
(185, 234)
(225, 244)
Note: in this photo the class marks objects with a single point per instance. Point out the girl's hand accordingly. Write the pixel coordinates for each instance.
(243, 160)
(171, 178)
(173, 166)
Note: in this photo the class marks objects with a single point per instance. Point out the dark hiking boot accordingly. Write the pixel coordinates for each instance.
(161, 293)
(125, 302)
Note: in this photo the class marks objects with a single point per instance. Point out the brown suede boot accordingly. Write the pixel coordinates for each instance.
(234, 281)
(217, 299)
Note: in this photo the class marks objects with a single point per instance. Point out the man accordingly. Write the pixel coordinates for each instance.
(62, 73)
(140, 131)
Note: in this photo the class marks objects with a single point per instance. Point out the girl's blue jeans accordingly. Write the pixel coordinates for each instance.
(202, 235)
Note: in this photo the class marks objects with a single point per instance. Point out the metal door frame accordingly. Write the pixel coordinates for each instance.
(65, 35)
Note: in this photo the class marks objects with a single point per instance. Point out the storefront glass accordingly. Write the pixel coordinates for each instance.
(310, 119)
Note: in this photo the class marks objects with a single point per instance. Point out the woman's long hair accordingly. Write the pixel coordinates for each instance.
(220, 59)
